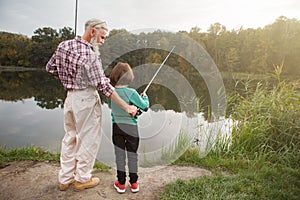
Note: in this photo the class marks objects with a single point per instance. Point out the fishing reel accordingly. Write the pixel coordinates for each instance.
(139, 112)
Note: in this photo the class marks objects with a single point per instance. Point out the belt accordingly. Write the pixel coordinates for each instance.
(73, 90)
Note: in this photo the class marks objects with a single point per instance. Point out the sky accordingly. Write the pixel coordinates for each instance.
(26, 16)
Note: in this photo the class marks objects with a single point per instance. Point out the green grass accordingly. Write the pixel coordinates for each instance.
(264, 185)
(27, 153)
(263, 161)
(38, 154)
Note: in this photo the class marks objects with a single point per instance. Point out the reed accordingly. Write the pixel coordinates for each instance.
(263, 159)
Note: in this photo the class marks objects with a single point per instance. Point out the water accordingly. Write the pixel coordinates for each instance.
(31, 113)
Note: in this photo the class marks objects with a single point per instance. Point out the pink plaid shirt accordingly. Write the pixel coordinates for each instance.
(78, 67)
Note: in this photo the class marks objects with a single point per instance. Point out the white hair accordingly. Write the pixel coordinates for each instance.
(95, 23)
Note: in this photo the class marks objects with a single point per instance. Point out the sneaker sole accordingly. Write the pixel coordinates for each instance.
(83, 187)
(135, 190)
(80, 189)
(119, 190)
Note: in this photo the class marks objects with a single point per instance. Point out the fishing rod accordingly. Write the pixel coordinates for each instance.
(139, 111)
(162, 64)
(75, 23)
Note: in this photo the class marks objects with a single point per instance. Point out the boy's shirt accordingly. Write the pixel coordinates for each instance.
(130, 96)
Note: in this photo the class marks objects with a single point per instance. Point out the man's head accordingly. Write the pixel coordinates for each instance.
(95, 33)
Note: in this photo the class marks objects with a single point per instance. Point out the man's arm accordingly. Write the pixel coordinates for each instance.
(131, 109)
(51, 67)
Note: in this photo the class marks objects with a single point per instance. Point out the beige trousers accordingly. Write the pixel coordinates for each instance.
(80, 145)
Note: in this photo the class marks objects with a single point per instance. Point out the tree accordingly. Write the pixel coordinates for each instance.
(45, 34)
(14, 49)
(44, 44)
(66, 33)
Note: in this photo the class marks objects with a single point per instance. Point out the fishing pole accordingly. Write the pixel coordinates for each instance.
(139, 112)
(162, 64)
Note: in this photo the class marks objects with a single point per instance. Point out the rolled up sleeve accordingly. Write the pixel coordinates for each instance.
(98, 79)
(51, 67)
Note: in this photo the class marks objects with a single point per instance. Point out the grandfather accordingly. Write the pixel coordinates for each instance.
(78, 65)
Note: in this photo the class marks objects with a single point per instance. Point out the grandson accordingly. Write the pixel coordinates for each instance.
(125, 130)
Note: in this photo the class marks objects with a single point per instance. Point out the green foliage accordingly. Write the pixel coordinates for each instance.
(178, 147)
(263, 160)
(38, 154)
(14, 49)
(243, 50)
(269, 123)
(19, 50)
(27, 153)
(100, 167)
(270, 183)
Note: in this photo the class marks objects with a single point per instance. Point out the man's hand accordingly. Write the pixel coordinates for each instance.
(132, 110)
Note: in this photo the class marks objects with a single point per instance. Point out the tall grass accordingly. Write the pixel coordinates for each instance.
(263, 159)
(268, 123)
(175, 149)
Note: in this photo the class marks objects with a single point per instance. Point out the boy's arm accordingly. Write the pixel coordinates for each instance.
(141, 102)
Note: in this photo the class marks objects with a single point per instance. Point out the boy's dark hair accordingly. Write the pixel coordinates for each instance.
(121, 74)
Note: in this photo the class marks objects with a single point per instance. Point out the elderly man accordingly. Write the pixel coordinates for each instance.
(78, 65)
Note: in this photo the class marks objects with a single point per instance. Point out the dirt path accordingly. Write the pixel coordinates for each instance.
(38, 180)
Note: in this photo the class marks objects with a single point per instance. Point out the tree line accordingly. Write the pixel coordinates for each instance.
(244, 50)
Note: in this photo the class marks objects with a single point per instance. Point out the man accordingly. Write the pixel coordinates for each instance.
(78, 65)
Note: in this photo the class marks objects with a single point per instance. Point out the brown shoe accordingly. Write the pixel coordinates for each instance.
(94, 181)
(64, 187)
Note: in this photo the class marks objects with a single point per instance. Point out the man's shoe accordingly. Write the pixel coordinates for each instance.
(119, 187)
(64, 187)
(94, 181)
(134, 187)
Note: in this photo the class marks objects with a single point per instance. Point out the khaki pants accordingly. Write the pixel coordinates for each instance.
(80, 145)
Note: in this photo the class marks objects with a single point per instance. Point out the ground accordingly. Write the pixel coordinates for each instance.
(38, 180)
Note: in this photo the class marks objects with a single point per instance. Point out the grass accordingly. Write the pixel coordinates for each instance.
(38, 154)
(263, 161)
(238, 186)
(177, 148)
(27, 153)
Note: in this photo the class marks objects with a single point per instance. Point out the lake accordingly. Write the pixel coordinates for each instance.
(31, 113)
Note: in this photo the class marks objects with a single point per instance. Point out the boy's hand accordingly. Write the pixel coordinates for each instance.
(142, 94)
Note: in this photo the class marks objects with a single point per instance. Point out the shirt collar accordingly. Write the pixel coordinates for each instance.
(79, 39)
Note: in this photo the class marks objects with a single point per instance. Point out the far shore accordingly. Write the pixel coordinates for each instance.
(16, 68)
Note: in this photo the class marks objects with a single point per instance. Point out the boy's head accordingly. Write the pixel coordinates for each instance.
(121, 74)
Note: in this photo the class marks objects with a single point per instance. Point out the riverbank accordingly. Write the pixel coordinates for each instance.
(38, 180)
(14, 68)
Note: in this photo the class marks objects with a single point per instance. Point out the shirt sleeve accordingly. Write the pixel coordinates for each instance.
(98, 79)
(51, 67)
(140, 102)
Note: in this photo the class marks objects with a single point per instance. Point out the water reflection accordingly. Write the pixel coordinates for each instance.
(23, 123)
(31, 114)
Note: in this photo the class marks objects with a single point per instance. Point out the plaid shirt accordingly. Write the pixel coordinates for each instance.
(78, 67)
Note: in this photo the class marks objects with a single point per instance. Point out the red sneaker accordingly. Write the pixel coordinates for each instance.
(119, 187)
(134, 187)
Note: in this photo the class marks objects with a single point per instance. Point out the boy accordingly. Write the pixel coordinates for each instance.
(125, 130)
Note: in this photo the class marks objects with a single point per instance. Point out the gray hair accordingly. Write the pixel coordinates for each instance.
(95, 23)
